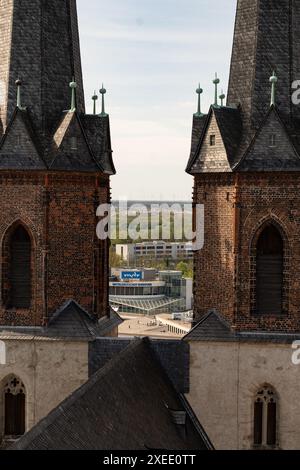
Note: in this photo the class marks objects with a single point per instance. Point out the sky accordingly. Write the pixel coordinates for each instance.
(151, 55)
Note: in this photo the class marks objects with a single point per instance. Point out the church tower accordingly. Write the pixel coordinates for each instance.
(55, 167)
(245, 160)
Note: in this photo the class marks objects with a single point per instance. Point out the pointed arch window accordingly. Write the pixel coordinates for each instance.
(269, 272)
(272, 140)
(17, 271)
(14, 407)
(212, 140)
(265, 417)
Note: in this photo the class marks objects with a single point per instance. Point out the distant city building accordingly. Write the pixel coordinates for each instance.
(146, 292)
(155, 250)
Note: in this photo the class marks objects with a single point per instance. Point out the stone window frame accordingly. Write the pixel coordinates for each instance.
(263, 393)
(74, 143)
(272, 140)
(3, 385)
(5, 252)
(286, 268)
(212, 140)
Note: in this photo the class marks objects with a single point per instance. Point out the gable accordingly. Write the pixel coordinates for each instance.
(18, 150)
(263, 156)
(212, 327)
(133, 402)
(212, 158)
(71, 150)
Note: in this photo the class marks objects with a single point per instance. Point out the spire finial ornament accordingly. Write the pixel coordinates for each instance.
(19, 99)
(73, 86)
(273, 81)
(95, 99)
(216, 83)
(199, 92)
(103, 92)
(222, 98)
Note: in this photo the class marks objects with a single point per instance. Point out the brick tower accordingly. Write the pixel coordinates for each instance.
(245, 161)
(55, 167)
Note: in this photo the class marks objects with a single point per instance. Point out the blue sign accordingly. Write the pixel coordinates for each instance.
(132, 275)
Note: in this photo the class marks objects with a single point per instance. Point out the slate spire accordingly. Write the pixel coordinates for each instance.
(267, 37)
(40, 46)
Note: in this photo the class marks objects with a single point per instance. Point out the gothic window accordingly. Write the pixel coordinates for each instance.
(19, 270)
(272, 141)
(269, 272)
(212, 140)
(73, 142)
(265, 417)
(14, 408)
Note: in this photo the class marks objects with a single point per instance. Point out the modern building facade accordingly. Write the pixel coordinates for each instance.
(245, 160)
(146, 292)
(155, 250)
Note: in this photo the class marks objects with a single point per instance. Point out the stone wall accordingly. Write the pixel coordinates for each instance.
(224, 379)
(49, 370)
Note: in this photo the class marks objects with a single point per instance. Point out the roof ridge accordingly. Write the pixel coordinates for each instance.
(275, 110)
(198, 148)
(68, 402)
(211, 313)
(194, 154)
(29, 128)
(64, 306)
(73, 115)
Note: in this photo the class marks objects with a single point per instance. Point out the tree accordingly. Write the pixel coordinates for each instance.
(186, 268)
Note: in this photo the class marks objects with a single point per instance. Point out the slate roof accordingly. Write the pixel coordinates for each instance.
(266, 37)
(213, 327)
(25, 154)
(94, 152)
(259, 156)
(173, 355)
(198, 126)
(230, 125)
(44, 52)
(64, 157)
(97, 129)
(70, 322)
(129, 404)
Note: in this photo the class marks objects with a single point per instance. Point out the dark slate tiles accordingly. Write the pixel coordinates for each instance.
(71, 322)
(97, 130)
(125, 405)
(172, 355)
(213, 327)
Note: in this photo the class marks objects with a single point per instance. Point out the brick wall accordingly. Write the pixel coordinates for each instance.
(236, 208)
(59, 212)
